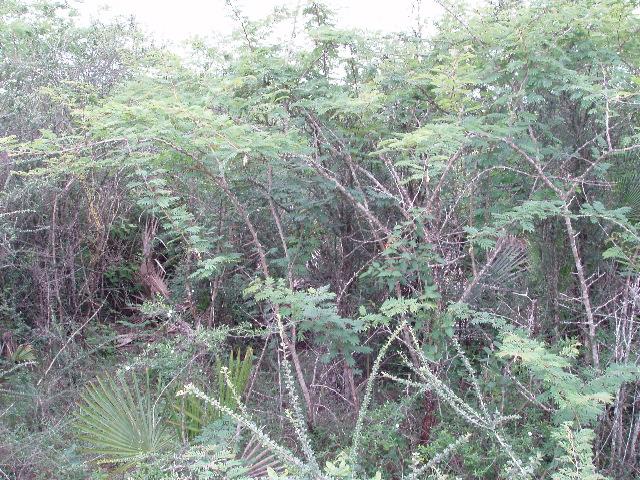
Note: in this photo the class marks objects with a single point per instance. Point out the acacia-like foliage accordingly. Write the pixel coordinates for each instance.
(457, 210)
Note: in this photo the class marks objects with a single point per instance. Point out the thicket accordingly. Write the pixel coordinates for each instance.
(310, 252)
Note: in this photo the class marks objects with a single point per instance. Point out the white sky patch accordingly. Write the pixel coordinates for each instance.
(176, 21)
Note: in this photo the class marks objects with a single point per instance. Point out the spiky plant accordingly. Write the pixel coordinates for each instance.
(120, 422)
(238, 370)
(23, 353)
(191, 414)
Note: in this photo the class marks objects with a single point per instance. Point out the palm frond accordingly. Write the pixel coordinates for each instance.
(505, 263)
(23, 353)
(191, 414)
(628, 190)
(258, 459)
(119, 421)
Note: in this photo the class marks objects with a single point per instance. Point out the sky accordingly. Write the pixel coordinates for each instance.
(176, 20)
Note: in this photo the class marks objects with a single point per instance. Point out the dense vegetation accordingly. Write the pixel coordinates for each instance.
(310, 252)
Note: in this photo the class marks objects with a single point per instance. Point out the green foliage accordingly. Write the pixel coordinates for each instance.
(121, 422)
(576, 459)
(23, 353)
(629, 189)
(210, 266)
(383, 441)
(404, 260)
(313, 313)
(50, 66)
(577, 399)
(192, 415)
(233, 377)
(452, 214)
(209, 461)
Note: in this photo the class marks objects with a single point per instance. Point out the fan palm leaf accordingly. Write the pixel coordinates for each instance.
(119, 421)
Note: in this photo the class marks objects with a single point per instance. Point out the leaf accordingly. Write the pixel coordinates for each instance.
(119, 422)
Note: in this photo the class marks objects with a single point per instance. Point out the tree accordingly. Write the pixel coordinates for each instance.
(476, 188)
